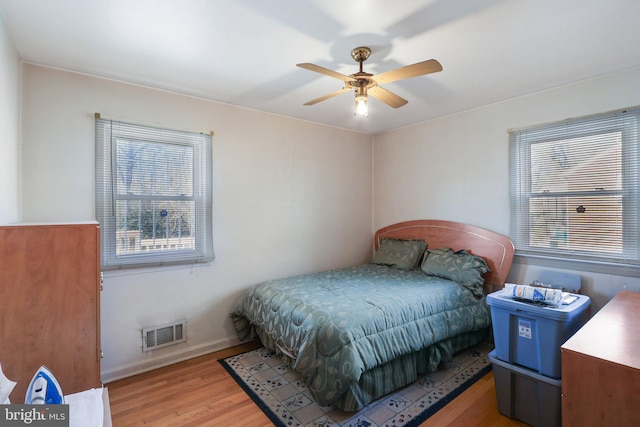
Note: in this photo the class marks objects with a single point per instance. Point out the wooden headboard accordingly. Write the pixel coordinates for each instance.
(496, 249)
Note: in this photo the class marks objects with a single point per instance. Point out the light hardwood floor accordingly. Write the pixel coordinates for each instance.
(199, 392)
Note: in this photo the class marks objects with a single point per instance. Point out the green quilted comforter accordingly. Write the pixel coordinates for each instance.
(338, 324)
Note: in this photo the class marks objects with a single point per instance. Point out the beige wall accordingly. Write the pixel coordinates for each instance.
(290, 197)
(457, 167)
(9, 128)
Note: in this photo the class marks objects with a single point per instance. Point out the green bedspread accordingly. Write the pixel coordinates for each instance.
(336, 325)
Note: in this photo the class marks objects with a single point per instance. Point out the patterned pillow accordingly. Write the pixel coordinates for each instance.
(460, 266)
(402, 254)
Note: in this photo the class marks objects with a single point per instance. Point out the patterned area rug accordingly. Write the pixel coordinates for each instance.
(278, 391)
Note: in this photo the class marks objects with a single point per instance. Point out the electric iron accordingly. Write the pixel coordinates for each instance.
(44, 389)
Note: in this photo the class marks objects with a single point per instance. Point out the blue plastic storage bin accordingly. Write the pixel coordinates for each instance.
(530, 335)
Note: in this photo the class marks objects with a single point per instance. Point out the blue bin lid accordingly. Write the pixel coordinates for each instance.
(503, 300)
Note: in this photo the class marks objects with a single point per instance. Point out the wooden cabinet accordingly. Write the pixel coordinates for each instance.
(601, 367)
(50, 304)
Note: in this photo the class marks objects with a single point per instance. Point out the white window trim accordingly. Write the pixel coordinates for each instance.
(107, 132)
(631, 219)
(600, 267)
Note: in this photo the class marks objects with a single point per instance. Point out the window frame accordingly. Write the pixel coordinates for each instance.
(626, 121)
(108, 132)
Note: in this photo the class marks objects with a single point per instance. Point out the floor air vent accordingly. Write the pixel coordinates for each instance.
(164, 335)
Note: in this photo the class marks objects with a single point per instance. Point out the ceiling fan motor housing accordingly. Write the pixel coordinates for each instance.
(361, 54)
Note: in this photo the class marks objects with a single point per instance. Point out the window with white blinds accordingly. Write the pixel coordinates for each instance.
(574, 189)
(153, 195)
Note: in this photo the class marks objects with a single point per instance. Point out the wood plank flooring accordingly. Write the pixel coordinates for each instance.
(199, 393)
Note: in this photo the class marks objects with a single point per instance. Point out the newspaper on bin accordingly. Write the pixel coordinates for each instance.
(548, 296)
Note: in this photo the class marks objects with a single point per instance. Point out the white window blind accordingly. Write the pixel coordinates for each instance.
(574, 189)
(153, 195)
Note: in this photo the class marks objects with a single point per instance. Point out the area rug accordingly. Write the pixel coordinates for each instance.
(278, 391)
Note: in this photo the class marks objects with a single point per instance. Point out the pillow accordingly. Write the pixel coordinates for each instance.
(402, 254)
(460, 266)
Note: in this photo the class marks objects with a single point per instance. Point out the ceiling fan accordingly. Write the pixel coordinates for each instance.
(365, 84)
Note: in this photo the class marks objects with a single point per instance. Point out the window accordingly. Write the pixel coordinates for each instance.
(153, 195)
(574, 189)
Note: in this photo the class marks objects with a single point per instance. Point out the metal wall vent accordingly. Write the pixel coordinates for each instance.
(164, 335)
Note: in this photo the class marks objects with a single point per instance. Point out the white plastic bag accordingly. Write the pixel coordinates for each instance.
(6, 387)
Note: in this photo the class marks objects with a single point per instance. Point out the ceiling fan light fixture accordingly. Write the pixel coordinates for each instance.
(362, 107)
(362, 81)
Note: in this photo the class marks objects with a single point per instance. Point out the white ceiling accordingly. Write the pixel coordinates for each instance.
(243, 52)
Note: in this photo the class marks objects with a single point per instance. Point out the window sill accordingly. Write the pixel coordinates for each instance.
(601, 267)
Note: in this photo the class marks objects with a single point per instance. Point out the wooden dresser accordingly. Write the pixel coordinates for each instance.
(50, 304)
(601, 367)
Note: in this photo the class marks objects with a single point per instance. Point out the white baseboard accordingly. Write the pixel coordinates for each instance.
(166, 359)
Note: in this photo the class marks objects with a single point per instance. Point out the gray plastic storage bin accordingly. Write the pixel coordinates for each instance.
(526, 395)
(531, 335)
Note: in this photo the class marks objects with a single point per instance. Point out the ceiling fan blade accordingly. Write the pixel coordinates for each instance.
(418, 69)
(331, 95)
(387, 97)
(325, 71)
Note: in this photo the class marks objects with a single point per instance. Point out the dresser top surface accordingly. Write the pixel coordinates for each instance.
(613, 334)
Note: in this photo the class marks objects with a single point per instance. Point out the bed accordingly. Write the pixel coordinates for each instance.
(356, 334)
